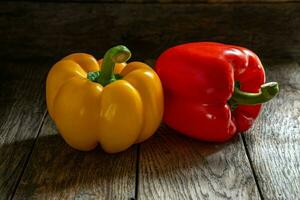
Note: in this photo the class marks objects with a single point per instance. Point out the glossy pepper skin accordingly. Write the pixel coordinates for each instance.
(212, 90)
(126, 108)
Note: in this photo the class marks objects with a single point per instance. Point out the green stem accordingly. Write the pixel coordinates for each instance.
(117, 54)
(267, 92)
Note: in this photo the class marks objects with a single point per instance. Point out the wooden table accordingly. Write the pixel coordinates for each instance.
(35, 163)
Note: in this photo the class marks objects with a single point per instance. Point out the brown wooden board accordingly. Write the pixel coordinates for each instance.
(53, 30)
(274, 142)
(175, 167)
(21, 112)
(169, 165)
(56, 171)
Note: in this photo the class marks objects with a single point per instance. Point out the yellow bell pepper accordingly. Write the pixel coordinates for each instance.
(106, 101)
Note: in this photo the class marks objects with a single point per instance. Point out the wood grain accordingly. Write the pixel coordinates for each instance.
(175, 167)
(56, 171)
(32, 29)
(22, 108)
(274, 142)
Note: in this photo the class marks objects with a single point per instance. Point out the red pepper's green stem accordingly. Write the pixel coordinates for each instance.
(117, 54)
(267, 92)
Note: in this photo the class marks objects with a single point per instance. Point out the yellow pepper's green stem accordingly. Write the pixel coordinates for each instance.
(267, 92)
(117, 54)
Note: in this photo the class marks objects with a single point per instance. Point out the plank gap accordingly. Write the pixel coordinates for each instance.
(61, 172)
(137, 172)
(251, 165)
(273, 143)
(29, 154)
(22, 107)
(173, 166)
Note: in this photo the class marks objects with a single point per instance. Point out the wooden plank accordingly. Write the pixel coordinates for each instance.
(31, 29)
(56, 171)
(175, 167)
(274, 142)
(22, 108)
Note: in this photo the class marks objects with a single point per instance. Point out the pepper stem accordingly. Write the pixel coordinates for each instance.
(267, 92)
(117, 54)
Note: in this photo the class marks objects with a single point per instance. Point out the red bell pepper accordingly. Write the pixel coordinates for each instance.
(212, 90)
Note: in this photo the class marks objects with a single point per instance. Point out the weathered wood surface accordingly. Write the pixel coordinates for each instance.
(21, 112)
(31, 29)
(56, 171)
(175, 167)
(274, 142)
(168, 165)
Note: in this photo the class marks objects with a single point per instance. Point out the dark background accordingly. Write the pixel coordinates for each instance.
(51, 30)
